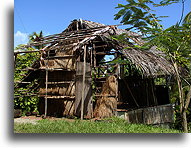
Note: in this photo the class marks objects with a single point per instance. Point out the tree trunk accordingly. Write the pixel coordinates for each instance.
(184, 118)
(183, 102)
(184, 122)
(180, 90)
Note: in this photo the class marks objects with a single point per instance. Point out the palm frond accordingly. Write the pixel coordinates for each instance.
(187, 18)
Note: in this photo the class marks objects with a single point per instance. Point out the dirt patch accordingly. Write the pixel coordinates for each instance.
(27, 119)
(34, 119)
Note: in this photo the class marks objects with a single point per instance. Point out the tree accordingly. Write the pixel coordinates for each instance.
(139, 16)
(36, 37)
(174, 41)
(24, 97)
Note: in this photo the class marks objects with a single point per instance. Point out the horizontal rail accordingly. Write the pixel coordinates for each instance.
(58, 97)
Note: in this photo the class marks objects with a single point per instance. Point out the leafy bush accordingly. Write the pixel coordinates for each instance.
(23, 98)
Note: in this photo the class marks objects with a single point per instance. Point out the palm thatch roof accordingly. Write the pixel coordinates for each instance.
(150, 62)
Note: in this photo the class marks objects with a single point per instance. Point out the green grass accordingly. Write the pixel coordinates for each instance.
(113, 125)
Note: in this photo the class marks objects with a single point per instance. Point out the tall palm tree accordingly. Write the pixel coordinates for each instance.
(36, 37)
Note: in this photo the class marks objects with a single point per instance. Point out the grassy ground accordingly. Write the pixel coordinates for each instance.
(113, 125)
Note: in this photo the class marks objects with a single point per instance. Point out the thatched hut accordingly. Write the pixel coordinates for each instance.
(72, 68)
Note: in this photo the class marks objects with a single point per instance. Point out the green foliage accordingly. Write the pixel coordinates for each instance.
(187, 19)
(160, 81)
(139, 15)
(174, 41)
(167, 2)
(23, 99)
(111, 125)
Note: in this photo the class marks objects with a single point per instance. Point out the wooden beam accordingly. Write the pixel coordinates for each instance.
(105, 95)
(27, 95)
(55, 69)
(61, 82)
(21, 82)
(55, 57)
(58, 97)
(19, 52)
(105, 53)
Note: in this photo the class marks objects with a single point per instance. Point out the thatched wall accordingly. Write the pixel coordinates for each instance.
(67, 89)
(60, 83)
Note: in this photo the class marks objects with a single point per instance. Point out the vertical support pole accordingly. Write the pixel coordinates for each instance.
(94, 54)
(122, 69)
(15, 58)
(167, 79)
(46, 103)
(45, 114)
(91, 55)
(92, 71)
(83, 84)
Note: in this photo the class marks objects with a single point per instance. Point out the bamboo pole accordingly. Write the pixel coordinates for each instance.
(83, 85)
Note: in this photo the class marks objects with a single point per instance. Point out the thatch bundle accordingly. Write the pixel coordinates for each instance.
(63, 89)
(107, 103)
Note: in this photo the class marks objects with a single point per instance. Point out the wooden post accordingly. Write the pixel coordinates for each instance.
(45, 114)
(83, 84)
(122, 69)
(94, 55)
(15, 58)
(91, 56)
(46, 93)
